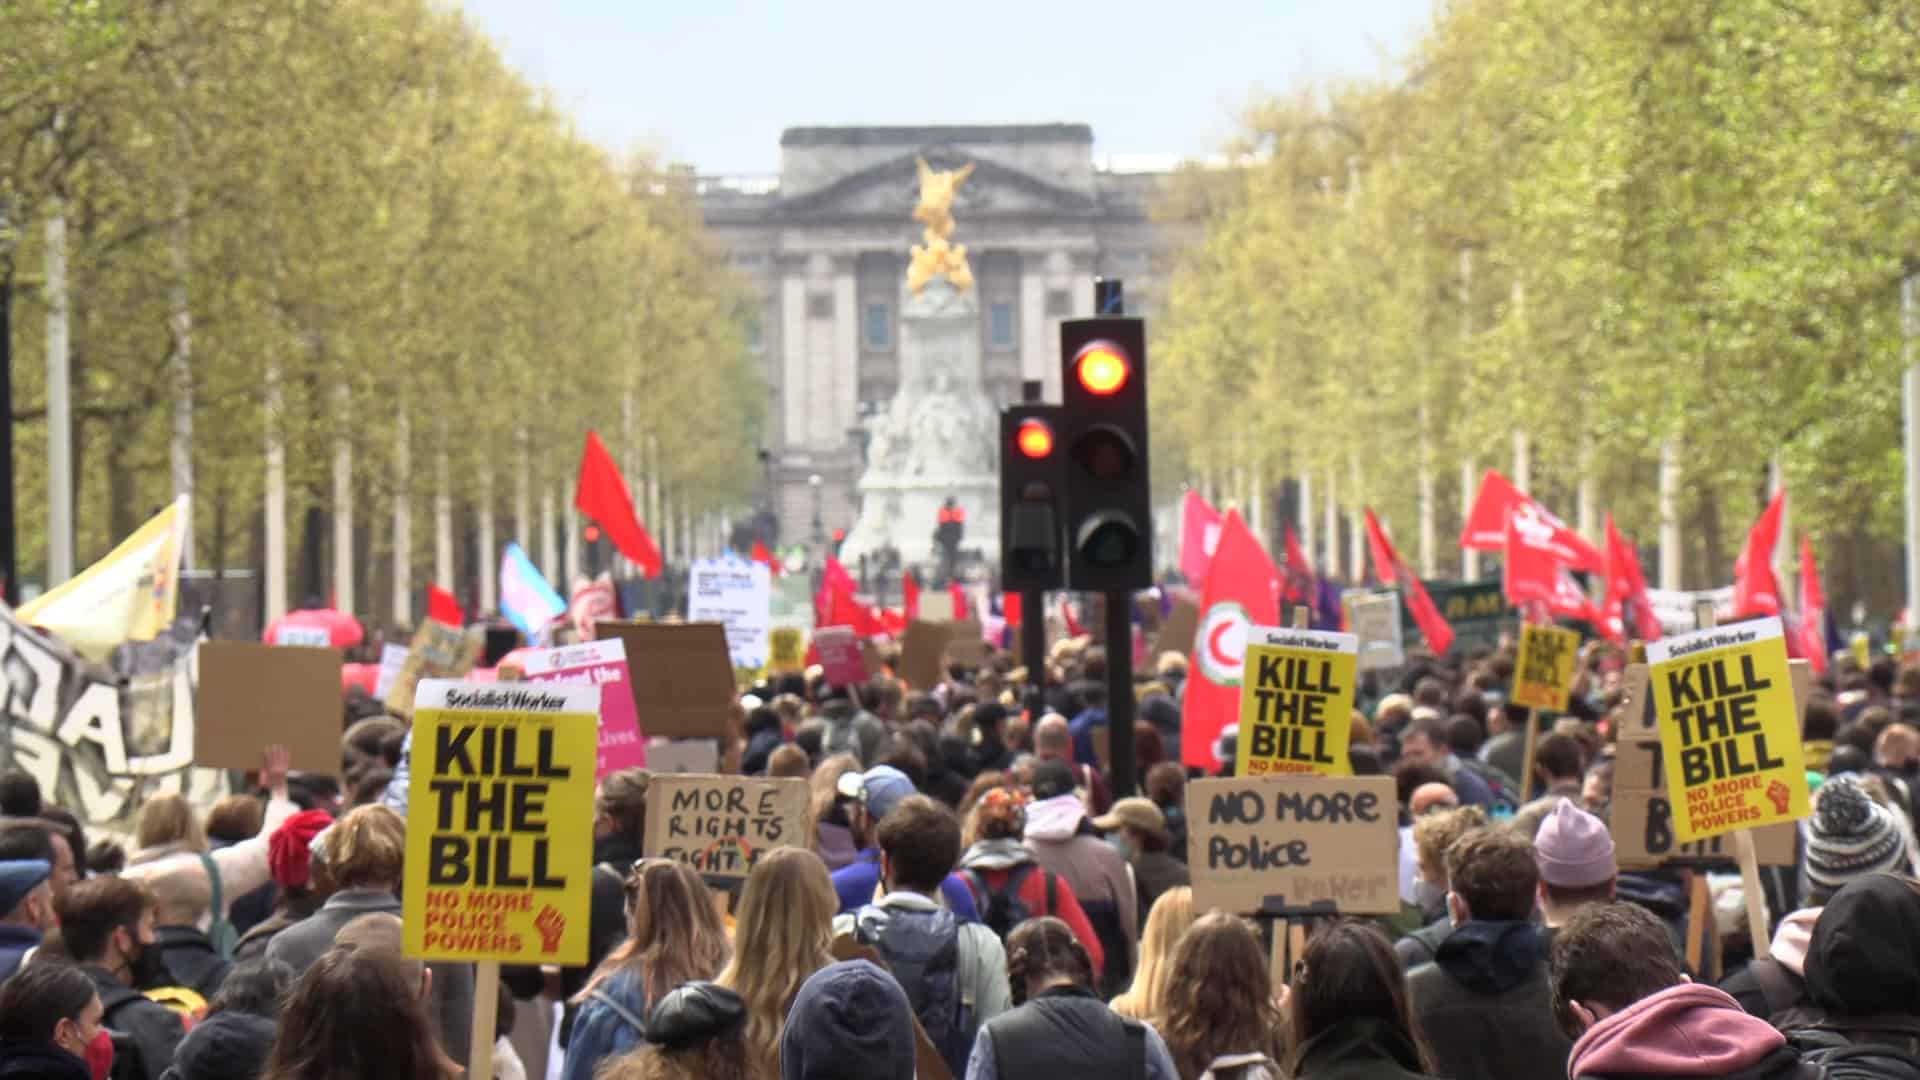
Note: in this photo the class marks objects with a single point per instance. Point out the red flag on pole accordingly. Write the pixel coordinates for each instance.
(761, 555)
(601, 494)
(1813, 608)
(1627, 585)
(1386, 561)
(443, 608)
(1433, 626)
(1755, 590)
(1498, 500)
(1010, 608)
(958, 597)
(910, 593)
(1531, 573)
(1199, 535)
(1243, 590)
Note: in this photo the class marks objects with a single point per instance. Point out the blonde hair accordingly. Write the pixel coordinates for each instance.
(367, 848)
(783, 931)
(674, 932)
(1171, 915)
(823, 787)
(1436, 832)
(168, 821)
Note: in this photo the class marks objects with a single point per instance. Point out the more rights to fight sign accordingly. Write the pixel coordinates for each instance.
(1729, 732)
(500, 801)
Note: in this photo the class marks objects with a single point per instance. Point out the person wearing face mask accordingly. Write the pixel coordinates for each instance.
(49, 1016)
(1138, 829)
(26, 910)
(106, 924)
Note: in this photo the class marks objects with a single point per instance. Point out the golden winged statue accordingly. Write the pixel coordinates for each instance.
(938, 255)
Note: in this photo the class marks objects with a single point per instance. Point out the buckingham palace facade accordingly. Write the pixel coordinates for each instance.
(823, 247)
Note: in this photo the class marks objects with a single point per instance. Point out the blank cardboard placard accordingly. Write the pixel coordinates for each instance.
(966, 646)
(922, 651)
(1176, 633)
(682, 676)
(253, 696)
(1294, 842)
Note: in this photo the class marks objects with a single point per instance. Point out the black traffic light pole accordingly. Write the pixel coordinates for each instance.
(1033, 609)
(1120, 691)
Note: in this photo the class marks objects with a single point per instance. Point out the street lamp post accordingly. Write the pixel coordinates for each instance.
(819, 529)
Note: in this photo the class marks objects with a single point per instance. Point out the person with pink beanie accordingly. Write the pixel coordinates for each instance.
(1618, 989)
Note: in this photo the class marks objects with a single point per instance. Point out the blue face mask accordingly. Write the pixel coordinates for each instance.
(1119, 842)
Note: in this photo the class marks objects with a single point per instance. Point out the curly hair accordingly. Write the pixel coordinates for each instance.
(1219, 996)
(1042, 949)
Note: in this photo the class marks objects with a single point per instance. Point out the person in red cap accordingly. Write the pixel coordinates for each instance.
(299, 875)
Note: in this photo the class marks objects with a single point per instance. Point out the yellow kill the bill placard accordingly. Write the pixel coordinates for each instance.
(500, 822)
(1296, 702)
(1729, 733)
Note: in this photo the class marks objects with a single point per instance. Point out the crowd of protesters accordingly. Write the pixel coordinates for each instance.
(978, 888)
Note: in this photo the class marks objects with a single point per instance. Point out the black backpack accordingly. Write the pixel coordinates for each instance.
(922, 949)
(1838, 1058)
(1002, 909)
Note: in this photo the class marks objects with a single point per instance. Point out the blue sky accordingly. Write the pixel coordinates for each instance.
(714, 82)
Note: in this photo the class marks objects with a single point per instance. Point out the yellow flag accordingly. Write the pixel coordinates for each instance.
(128, 596)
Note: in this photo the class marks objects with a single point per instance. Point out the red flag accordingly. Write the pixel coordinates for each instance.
(1010, 608)
(601, 494)
(1386, 561)
(1433, 626)
(958, 596)
(1299, 572)
(1074, 629)
(1755, 590)
(1199, 535)
(761, 555)
(1243, 590)
(1530, 574)
(1498, 500)
(1813, 608)
(443, 608)
(910, 591)
(1569, 601)
(1627, 585)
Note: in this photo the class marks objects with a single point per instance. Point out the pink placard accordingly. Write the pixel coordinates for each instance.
(603, 663)
(840, 658)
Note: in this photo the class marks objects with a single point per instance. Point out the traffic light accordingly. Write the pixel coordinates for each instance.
(1030, 482)
(1109, 505)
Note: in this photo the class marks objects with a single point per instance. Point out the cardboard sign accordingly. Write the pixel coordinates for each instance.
(738, 596)
(1375, 618)
(1641, 822)
(253, 696)
(841, 660)
(786, 650)
(684, 756)
(393, 658)
(1179, 627)
(1724, 702)
(1296, 703)
(602, 664)
(922, 653)
(682, 676)
(438, 651)
(499, 862)
(1290, 842)
(722, 825)
(967, 645)
(1543, 673)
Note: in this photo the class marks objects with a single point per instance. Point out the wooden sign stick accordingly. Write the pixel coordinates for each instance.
(1743, 848)
(486, 1003)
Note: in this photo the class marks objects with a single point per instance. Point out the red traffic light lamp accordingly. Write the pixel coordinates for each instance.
(1034, 438)
(1102, 368)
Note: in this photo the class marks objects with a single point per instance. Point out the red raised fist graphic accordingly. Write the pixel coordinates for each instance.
(551, 925)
